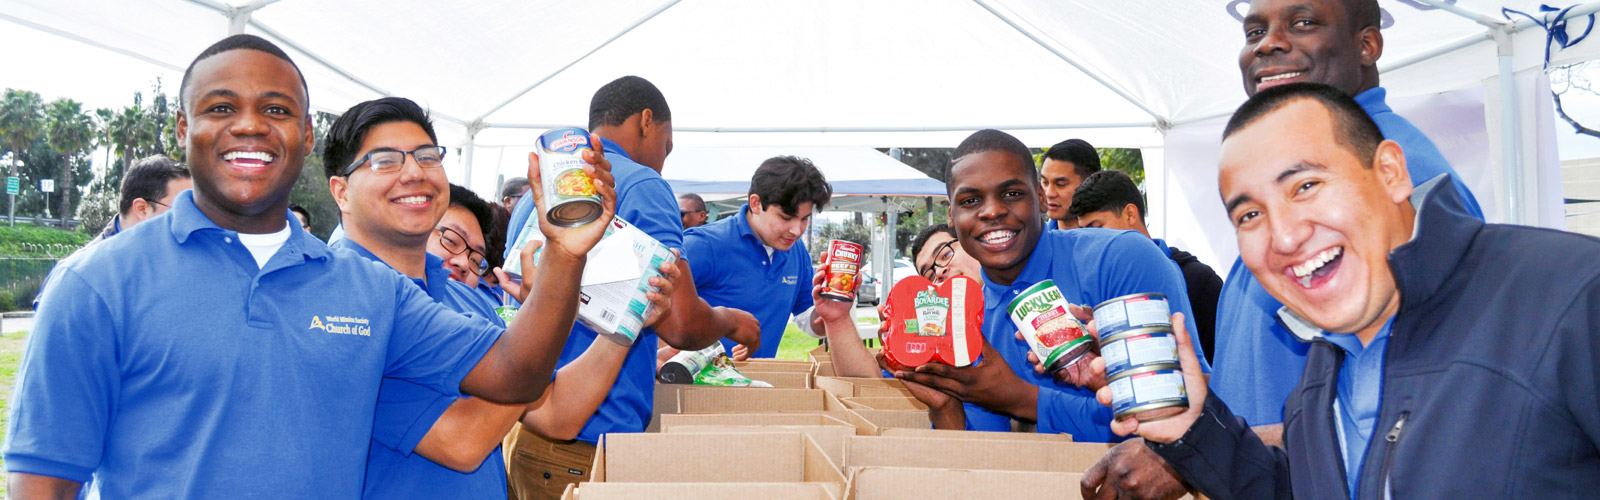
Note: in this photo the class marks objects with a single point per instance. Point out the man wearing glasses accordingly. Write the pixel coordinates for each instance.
(458, 238)
(692, 209)
(938, 257)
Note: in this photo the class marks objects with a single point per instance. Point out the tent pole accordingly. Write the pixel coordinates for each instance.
(466, 154)
(953, 128)
(1510, 147)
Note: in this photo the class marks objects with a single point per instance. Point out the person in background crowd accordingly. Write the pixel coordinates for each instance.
(634, 123)
(139, 392)
(512, 191)
(301, 215)
(1111, 200)
(692, 208)
(458, 238)
(1065, 166)
(1409, 362)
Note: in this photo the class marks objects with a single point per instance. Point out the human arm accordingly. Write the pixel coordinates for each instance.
(1132, 470)
(693, 323)
(850, 356)
(577, 392)
(25, 486)
(988, 383)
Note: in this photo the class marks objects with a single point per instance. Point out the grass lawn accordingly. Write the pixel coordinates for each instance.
(796, 343)
(11, 345)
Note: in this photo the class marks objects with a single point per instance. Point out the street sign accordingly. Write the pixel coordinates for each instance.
(47, 185)
(13, 185)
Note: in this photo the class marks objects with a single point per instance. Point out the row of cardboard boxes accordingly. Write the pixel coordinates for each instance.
(816, 436)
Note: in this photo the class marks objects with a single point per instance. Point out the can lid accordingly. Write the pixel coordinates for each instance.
(1137, 331)
(1023, 297)
(1129, 296)
(1163, 367)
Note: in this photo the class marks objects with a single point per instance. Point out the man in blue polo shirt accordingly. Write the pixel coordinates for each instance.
(1062, 169)
(251, 363)
(755, 260)
(994, 206)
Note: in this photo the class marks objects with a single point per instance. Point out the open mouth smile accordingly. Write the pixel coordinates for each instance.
(1318, 269)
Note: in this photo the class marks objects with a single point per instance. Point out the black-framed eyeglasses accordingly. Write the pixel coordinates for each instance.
(147, 200)
(456, 244)
(685, 213)
(942, 255)
(385, 160)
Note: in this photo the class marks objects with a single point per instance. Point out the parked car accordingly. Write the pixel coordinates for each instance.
(867, 290)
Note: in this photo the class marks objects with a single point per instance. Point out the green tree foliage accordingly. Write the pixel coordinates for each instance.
(311, 188)
(1128, 161)
(21, 113)
(137, 131)
(71, 133)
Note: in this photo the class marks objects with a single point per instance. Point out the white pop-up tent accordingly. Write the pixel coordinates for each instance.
(909, 73)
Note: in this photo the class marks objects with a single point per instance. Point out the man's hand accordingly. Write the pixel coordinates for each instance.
(944, 409)
(530, 267)
(748, 334)
(1132, 470)
(1170, 429)
(1079, 373)
(661, 297)
(989, 383)
(828, 309)
(578, 240)
(883, 319)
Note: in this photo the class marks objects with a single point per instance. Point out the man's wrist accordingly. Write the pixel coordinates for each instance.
(1026, 404)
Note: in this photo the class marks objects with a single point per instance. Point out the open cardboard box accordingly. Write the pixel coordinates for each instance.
(775, 457)
(824, 369)
(944, 434)
(900, 483)
(820, 353)
(852, 387)
(829, 432)
(885, 419)
(883, 403)
(977, 454)
(780, 379)
(862, 426)
(774, 365)
(697, 491)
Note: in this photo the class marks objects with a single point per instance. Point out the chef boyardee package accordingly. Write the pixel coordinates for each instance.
(615, 280)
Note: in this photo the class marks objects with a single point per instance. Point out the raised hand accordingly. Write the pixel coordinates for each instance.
(1169, 429)
(577, 241)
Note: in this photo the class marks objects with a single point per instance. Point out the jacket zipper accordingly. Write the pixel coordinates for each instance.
(1393, 437)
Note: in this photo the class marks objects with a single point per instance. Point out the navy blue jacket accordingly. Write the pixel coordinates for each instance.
(1490, 384)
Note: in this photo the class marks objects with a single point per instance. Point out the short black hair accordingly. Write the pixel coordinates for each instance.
(991, 140)
(235, 42)
(495, 237)
(465, 198)
(922, 238)
(148, 179)
(1106, 190)
(625, 97)
(1352, 127)
(350, 130)
(302, 211)
(1364, 13)
(788, 181)
(700, 203)
(513, 187)
(1083, 157)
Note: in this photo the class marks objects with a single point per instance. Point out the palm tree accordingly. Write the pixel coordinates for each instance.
(21, 112)
(70, 132)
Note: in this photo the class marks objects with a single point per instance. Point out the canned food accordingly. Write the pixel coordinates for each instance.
(1140, 310)
(843, 264)
(1131, 349)
(1054, 335)
(1150, 393)
(570, 197)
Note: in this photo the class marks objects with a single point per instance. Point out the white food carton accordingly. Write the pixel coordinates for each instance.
(616, 277)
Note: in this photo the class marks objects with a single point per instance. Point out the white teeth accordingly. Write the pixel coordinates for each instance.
(998, 236)
(413, 200)
(1304, 270)
(248, 155)
(1279, 77)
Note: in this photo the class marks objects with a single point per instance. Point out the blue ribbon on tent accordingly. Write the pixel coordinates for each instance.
(1555, 29)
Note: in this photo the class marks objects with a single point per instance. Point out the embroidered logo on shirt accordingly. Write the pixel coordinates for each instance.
(790, 280)
(341, 325)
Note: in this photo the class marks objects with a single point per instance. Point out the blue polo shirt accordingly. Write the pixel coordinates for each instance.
(1259, 362)
(1358, 393)
(406, 411)
(732, 269)
(645, 200)
(165, 364)
(1090, 266)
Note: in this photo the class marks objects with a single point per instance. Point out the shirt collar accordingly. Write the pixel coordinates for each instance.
(741, 225)
(1352, 344)
(1372, 100)
(434, 270)
(1166, 250)
(1035, 270)
(187, 219)
(613, 148)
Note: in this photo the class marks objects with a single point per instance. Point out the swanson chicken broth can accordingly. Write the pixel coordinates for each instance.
(843, 265)
(1054, 335)
(570, 197)
(1130, 312)
(1138, 348)
(1149, 393)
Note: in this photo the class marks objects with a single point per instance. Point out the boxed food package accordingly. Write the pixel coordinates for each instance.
(615, 280)
(776, 457)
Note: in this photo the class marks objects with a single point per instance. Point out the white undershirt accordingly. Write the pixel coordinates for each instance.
(262, 246)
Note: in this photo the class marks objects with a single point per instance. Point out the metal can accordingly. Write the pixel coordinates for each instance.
(1052, 332)
(1151, 393)
(570, 197)
(1128, 312)
(1138, 348)
(843, 265)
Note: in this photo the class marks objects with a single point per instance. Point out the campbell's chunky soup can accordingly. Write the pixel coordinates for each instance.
(1138, 348)
(1148, 393)
(843, 265)
(1129, 312)
(1054, 335)
(570, 197)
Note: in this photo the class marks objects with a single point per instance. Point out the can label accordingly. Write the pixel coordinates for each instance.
(1142, 310)
(1139, 348)
(843, 265)
(1148, 389)
(1054, 335)
(570, 197)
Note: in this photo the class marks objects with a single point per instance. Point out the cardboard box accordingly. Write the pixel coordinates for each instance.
(611, 299)
(884, 403)
(886, 419)
(832, 439)
(713, 458)
(899, 483)
(774, 365)
(861, 425)
(700, 399)
(697, 491)
(976, 454)
(820, 353)
(780, 379)
(851, 387)
(944, 434)
(824, 369)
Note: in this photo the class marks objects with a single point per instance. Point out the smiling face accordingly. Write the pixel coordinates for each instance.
(463, 266)
(1315, 225)
(937, 250)
(397, 208)
(994, 206)
(1307, 41)
(775, 227)
(245, 131)
(1060, 179)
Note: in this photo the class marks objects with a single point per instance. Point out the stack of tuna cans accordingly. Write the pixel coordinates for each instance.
(1141, 355)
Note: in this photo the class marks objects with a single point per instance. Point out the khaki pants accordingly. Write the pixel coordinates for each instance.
(541, 469)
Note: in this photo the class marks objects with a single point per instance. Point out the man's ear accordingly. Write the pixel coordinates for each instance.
(1131, 215)
(338, 187)
(1389, 163)
(1370, 40)
(754, 200)
(647, 123)
(183, 129)
(138, 211)
(311, 135)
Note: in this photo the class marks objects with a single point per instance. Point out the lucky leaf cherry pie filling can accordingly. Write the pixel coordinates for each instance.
(1052, 332)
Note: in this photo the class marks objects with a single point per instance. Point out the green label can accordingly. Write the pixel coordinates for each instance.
(1052, 332)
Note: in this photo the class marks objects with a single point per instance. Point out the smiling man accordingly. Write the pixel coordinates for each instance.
(256, 366)
(1413, 388)
(459, 240)
(1063, 167)
(994, 206)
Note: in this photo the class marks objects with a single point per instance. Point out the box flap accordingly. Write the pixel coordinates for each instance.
(887, 403)
(948, 434)
(897, 483)
(697, 491)
(896, 418)
(830, 438)
(975, 454)
(700, 399)
(781, 379)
